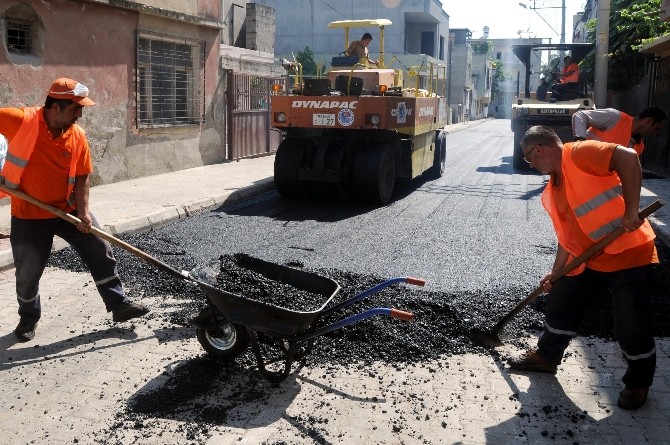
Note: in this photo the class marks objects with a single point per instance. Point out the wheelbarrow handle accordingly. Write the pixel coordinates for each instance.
(374, 290)
(402, 315)
(416, 281)
(395, 313)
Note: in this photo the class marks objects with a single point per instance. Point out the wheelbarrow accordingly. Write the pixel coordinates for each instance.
(230, 322)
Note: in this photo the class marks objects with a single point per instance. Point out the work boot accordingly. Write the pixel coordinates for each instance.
(632, 398)
(127, 310)
(25, 331)
(532, 361)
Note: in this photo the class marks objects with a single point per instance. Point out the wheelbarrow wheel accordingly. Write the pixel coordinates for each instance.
(225, 341)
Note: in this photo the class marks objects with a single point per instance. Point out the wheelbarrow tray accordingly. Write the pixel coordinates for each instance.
(267, 317)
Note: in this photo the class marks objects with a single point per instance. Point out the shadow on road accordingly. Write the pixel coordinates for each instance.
(505, 168)
(34, 352)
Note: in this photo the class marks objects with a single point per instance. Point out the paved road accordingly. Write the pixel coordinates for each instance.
(480, 223)
(74, 383)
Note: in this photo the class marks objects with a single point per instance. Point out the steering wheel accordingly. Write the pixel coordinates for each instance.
(556, 77)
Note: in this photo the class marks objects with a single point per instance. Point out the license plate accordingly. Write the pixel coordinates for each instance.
(327, 120)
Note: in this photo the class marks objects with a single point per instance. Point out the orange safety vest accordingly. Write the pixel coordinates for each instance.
(22, 145)
(574, 77)
(619, 134)
(598, 206)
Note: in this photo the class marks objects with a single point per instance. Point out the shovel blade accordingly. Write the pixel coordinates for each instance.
(487, 339)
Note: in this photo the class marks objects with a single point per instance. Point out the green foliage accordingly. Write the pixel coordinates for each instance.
(481, 46)
(497, 78)
(633, 23)
(306, 59)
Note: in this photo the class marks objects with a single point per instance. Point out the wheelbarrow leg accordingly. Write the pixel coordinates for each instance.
(290, 353)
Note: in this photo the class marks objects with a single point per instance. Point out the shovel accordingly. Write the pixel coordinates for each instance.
(99, 233)
(492, 339)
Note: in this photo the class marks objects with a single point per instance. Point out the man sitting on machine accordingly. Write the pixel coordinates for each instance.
(569, 78)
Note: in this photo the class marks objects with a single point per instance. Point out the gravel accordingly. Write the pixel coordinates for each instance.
(442, 325)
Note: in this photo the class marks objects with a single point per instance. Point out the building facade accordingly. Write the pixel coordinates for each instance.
(155, 68)
(482, 79)
(418, 26)
(656, 155)
(460, 84)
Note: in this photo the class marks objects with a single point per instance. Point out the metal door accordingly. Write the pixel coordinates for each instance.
(249, 127)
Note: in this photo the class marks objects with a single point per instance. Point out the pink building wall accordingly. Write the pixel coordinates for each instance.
(96, 44)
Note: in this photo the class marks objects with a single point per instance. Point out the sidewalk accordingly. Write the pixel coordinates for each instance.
(145, 203)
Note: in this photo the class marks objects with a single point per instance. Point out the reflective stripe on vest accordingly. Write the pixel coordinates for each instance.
(619, 134)
(593, 204)
(22, 145)
(597, 204)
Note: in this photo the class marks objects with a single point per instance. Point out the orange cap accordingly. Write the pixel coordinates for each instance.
(65, 88)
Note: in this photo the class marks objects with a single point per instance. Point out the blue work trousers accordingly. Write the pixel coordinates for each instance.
(32, 240)
(633, 317)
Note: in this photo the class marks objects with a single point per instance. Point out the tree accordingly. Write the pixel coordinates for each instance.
(481, 46)
(498, 78)
(633, 23)
(306, 59)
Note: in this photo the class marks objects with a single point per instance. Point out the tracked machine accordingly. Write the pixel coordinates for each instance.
(356, 130)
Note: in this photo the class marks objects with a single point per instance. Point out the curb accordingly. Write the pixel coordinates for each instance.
(161, 218)
(158, 219)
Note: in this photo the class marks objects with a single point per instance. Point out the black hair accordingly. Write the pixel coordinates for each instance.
(367, 36)
(656, 113)
(62, 103)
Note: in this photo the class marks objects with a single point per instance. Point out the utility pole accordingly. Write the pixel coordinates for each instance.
(602, 50)
(563, 22)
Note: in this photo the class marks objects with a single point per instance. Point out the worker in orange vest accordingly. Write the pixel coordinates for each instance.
(48, 158)
(611, 125)
(594, 188)
(569, 78)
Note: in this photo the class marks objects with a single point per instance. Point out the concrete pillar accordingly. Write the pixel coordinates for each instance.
(602, 49)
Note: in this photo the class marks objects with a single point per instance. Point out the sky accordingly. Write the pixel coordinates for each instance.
(505, 18)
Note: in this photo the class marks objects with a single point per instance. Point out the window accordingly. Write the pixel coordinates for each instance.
(18, 36)
(170, 81)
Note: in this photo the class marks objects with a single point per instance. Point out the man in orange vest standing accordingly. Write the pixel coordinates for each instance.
(49, 159)
(610, 125)
(594, 187)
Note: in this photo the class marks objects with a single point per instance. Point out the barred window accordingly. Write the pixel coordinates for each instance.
(18, 36)
(170, 81)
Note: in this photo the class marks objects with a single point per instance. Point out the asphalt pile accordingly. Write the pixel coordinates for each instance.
(442, 324)
(234, 277)
(199, 392)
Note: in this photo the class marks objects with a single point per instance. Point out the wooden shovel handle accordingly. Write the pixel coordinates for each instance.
(96, 231)
(600, 245)
(588, 253)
